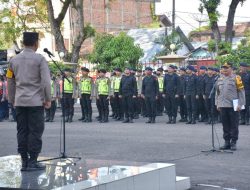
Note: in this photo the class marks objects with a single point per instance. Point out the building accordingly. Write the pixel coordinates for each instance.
(112, 17)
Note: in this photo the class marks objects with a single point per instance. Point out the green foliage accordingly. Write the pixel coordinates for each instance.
(115, 51)
(223, 47)
(211, 7)
(16, 15)
(242, 54)
(166, 41)
(53, 68)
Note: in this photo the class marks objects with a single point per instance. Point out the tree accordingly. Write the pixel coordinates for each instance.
(115, 51)
(84, 31)
(230, 20)
(213, 15)
(166, 41)
(17, 16)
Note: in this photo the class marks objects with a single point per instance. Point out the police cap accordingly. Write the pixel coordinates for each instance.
(172, 66)
(160, 69)
(102, 71)
(190, 67)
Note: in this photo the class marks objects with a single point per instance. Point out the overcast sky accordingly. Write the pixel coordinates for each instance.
(190, 7)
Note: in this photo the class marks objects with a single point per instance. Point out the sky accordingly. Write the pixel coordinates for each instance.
(187, 12)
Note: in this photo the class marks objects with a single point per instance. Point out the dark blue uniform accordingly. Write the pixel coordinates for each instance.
(201, 108)
(244, 114)
(150, 90)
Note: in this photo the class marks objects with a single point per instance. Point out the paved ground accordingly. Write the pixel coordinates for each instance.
(139, 142)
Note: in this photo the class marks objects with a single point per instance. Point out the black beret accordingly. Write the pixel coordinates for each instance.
(118, 69)
(160, 69)
(210, 68)
(102, 71)
(242, 64)
(85, 69)
(203, 68)
(190, 67)
(148, 69)
(182, 69)
(29, 38)
(172, 66)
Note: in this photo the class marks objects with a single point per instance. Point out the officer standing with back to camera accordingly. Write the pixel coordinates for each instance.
(229, 87)
(30, 92)
(160, 100)
(245, 76)
(86, 88)
(182, 102)
(150, 92)
(128, 92)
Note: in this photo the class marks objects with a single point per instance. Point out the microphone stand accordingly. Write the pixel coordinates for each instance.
(63, 153)
(212, 122)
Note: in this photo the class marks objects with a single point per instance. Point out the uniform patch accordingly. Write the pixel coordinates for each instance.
(239, 83)
(10, 74)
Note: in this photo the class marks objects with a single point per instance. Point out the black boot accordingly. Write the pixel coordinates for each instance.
(25, 159)
(173, 120)
(226, 146)
(189, 119)
(33, 165)
(233, 146)
(67, 119)
(106, 117)
(169, 120)
(149, 120)
(126, 120)
(82, 118)
(193, 121)
(131, 120)
(153, 120)
(90, 117)
(85, 118)
(70, 119)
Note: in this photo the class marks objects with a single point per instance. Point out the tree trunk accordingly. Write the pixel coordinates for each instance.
(216, 31)
(80, 37)
(230, 20)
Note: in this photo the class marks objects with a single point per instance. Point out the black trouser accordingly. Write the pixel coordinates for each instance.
(139, 105)
(183, 107)
(230, 122)
(171, 105)
(151, 106)
(201, 108)
(112, 104)
(191, 106)
(244, 114)
(104, 105)
(68, 105)
(118, 105)
(127, 102)
(30, 127)
(50, 113)
(211, 108)
(86, 104)
(160, 104)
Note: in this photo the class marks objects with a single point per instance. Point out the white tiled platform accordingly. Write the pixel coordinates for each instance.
(156, 176)
(63, 175)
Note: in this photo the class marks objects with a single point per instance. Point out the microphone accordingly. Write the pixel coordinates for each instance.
(48, 52)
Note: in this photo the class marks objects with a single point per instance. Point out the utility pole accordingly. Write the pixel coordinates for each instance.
(173, 16)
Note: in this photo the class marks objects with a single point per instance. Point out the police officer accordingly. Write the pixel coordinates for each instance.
(140, 101)
(128, 92)
(118, 112)
(29, 91)
(69, 94)
(190, 93)
(160, 100)
(229, 87)
(245, 76)
(150, 92)
(209, 94)
(200, 92)
(170, 87)
(182, 102)
(86, 87)
(103, 92)
(50, 113)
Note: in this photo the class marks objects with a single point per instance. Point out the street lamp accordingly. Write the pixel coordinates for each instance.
(172, 47)
(61, 55)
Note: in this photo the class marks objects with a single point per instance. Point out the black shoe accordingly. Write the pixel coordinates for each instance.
(70, 120)
(149, 120)
(173, 120)
(67, 119)
(189, 122)
(153, 120)
(226, 146)
(46, 120)
(233, 146)
(193, 121)
(24, 165)
(81, 119)
(169, 120)
(33, 165)
(131, 120)
(126, 120)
